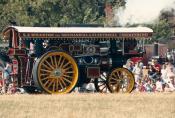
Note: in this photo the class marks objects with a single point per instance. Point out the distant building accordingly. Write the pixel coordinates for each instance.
(162, 48)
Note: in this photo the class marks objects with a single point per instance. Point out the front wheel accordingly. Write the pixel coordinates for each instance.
(56, 73)
(120, 80)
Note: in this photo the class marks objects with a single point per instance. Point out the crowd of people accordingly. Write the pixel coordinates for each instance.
(154, 77)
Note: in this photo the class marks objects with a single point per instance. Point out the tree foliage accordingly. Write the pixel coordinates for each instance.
(53, 12)
(162, 31)
(61, 12)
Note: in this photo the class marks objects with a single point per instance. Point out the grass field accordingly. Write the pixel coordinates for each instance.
(135, 105)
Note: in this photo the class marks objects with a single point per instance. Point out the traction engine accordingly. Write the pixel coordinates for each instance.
(56, 60)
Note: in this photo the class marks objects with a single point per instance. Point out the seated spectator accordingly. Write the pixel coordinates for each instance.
(163, 72)
(167, 88)
(159, 85)
(153, 87)
(137, 70)
(129, 65)
(141, 64)
(139, 87)
(154, 71)
(170, 76)
(148, 86)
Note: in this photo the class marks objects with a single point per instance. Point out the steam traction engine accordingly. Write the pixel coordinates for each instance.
(56, 60)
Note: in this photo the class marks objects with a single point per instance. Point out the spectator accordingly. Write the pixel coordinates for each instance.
(145, 78)
(154, 70)
(170, 56)
(167, 88)
(163, 72)
(7, 73)
(153, 87)
(159, 85)
(141, 64)
(148, 86)
(140, 86)
(7, 79)
(129, 65)
(169, 79)
(137, 70)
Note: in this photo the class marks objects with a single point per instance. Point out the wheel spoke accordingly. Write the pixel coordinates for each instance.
(114, 74)
(102, 78)
(53, 87)
(62, 62)
(56, 84)
(67, 68)
(51, 59)
(50, 83)
(49, 64)
(104, 75)
(46, 66)
(60, 84)
(46, 82)
(63, 82)
(113, 82)
(101, 84)
(59, 60)
(46, 70)
(118, 75)
(67, 80)
(67, 76)
(69, 72)
(44, 74)
(103, 88)
(113, 79)
(55, 60)
(45, 78)
(65, 65)
(101, 81)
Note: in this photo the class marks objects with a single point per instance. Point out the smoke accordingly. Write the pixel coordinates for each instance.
(141, 11)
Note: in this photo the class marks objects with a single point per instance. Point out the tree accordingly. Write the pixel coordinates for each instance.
(162, 31)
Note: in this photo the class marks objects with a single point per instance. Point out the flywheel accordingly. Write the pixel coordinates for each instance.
(55, 73)
(120, 80)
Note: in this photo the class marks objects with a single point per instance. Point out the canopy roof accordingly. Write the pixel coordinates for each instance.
(80, 32)
(80, 29)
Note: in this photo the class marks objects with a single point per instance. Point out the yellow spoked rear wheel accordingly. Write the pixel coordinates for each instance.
(57, 72)
(121, 80)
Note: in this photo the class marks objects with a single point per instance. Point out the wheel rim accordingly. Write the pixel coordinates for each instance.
(101, 83)
(121, 80)
(57, 73)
